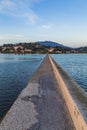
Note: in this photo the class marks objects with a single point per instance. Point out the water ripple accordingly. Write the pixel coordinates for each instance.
(15, 72)
(75, 65)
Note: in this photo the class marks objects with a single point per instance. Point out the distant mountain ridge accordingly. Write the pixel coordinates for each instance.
(51, 43)
(40, 48)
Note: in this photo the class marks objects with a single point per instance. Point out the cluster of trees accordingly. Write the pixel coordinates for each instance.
(23, 48)
(38, 48)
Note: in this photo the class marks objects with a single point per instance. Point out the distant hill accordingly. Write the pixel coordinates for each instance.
(40, 48)
(82, 49)
(52, 44)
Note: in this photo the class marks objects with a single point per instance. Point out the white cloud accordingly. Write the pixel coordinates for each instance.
(6, 6)
(10, 36)
(31, 16)
(46, 26)
(19, 8)
(6, 3)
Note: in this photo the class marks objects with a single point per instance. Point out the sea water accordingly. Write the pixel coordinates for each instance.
(15, 73)
(17, 70)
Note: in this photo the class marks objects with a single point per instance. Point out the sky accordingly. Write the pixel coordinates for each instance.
(62, 21)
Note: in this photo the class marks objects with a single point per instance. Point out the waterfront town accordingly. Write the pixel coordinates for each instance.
(31, 47)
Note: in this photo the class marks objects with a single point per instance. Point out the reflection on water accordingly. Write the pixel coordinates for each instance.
(4, 58)
(15, 72)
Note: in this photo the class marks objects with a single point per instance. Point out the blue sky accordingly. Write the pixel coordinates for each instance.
(63, 21)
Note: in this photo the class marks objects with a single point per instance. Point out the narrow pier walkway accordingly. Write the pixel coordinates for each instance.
(40, 106)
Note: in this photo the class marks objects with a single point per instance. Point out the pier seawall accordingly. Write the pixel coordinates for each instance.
(44, 104)
(75, 97)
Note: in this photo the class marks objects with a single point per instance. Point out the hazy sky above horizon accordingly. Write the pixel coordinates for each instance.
(63, 21)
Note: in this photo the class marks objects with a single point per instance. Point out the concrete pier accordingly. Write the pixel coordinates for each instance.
(43, 105)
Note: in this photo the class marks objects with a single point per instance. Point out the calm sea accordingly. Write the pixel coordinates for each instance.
(16, 71)
(75, 65)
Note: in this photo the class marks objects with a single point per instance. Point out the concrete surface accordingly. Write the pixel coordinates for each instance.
(75, 98)
(40, 106)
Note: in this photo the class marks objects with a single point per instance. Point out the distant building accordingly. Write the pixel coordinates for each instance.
(59, 52)
(50, 50)
(27, 50)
